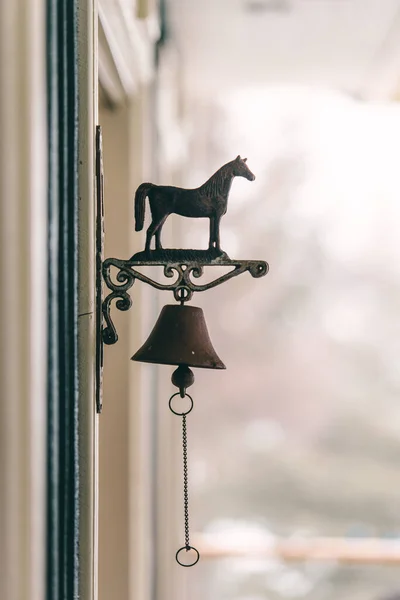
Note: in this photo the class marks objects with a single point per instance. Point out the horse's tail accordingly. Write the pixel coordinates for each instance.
(140, 198)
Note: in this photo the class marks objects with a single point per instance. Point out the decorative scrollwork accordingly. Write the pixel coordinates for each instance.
(119, 291)
(182, 287)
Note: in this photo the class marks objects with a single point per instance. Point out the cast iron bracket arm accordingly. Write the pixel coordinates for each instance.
(182, 287)
(119, 292)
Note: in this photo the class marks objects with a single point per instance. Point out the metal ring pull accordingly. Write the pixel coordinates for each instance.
(184, 413)
(187, 548)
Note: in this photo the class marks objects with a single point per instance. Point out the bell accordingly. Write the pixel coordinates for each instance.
(180, 337)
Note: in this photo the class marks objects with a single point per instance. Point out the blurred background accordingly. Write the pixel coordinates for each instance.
(299, 438)
(294, 450)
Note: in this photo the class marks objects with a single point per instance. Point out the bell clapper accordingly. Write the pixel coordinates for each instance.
(182, 378)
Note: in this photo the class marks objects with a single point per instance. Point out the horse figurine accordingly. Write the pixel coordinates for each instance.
(210, 201)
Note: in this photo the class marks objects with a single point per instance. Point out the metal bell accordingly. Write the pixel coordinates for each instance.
(180, 337)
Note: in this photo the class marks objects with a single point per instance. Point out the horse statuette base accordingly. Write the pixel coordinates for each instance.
(182, 255)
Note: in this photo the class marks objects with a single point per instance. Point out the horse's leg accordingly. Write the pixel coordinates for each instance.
(212, 233)
(158, 233)
(153, 227)
(149, 235)
(158, 239)
(216, 225)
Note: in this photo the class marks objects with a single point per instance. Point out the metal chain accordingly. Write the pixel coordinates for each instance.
(185, 482)
(195, 555)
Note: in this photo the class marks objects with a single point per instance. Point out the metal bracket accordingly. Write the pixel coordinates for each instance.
(99, 262)
(181, 264)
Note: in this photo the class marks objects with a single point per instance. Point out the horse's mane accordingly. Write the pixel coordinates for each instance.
(214, 185)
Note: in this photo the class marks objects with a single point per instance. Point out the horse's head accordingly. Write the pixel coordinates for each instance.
(240, 169)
